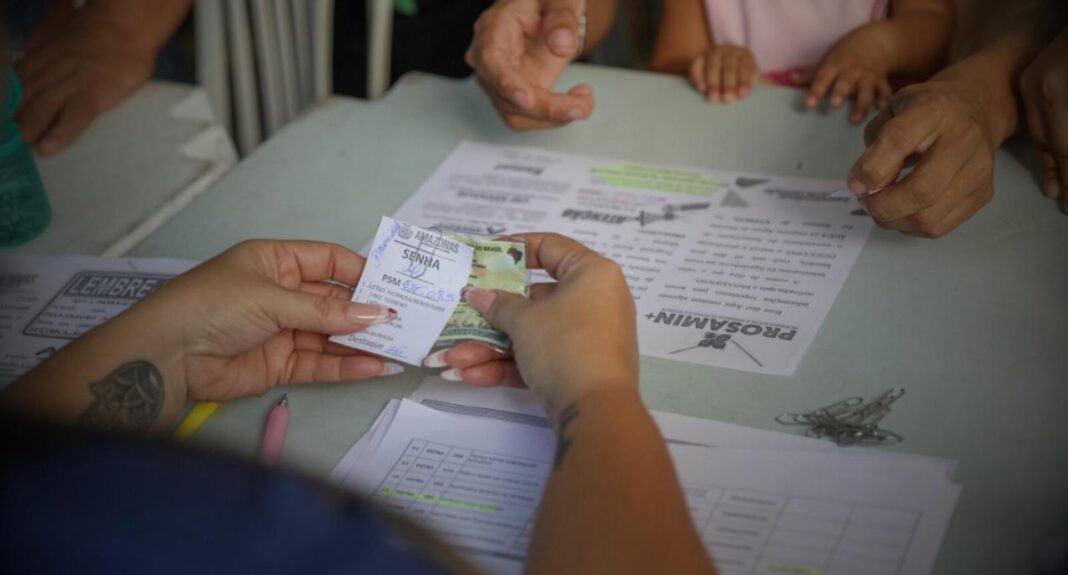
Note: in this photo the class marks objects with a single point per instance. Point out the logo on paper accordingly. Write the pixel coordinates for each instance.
(405, 232)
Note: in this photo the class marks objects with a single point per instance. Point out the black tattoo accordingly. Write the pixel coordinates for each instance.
(563, 442)
(129, 397)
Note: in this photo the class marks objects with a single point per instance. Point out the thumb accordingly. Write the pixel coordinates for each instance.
(560, 21)
(322, 313)
(500, 308)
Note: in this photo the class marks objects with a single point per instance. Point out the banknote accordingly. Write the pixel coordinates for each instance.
(496, 265)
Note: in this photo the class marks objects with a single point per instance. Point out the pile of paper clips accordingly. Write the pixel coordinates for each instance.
(850, 421)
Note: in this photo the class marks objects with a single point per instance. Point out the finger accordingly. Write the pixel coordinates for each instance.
(37, 115)
(464, 355)
(960, 213)
(319, 313)
(714, 76)
(872, 129)
(730, 77)
(46, 78)
(494, 373)
(883, 93)
(297, 262)
(804, 76)
(331, 290)
(1050, 180)
(697, 74)
(844, 87)
(911, 132)
(500, 308)
(865, 97)
(558, 255)
(314, 367)
(541, 290)
(560, 22)
(821, 82)
(747, 72)
(924, 187)
(73, 118)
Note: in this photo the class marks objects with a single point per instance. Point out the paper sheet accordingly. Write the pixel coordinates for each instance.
(476, 482)
(731, 270)
(47, 301)
(417, 272)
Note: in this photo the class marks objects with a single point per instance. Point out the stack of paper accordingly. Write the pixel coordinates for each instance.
(470, 465)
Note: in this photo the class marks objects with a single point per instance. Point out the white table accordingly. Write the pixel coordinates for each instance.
(974, 325)
(134, 167)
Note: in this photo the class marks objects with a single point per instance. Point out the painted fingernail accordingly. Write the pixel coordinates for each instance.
(368, 314)
(857, 187)
(451, 375)
(575, 114)
(561, 39)
(389, 368)
(480, 299)
(436, 359)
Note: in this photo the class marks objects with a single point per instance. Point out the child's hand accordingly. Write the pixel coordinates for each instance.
(724, 73)
(852, 68)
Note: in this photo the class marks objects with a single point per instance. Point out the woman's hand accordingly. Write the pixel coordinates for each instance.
(254, 317)
(724, 73)
(570, 339)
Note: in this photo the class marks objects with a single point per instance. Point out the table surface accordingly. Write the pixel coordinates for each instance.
(972, 325)
(119, 173)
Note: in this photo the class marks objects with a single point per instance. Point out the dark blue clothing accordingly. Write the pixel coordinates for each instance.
(77, 501)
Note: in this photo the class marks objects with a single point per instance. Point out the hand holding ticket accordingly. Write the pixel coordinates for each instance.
(420, 274)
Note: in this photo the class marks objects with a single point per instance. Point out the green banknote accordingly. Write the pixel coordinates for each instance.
(497, 265)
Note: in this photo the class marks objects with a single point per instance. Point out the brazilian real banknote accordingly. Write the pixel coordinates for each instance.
(496, 265)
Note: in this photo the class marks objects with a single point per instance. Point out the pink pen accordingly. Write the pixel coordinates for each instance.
(274, 433)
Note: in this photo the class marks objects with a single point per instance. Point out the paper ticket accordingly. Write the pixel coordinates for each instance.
(418, 272)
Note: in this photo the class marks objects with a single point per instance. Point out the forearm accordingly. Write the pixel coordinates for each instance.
(600, 15)
(124, 374)
(147, 25)
(613, 503)
(994, 74)
(681, 36)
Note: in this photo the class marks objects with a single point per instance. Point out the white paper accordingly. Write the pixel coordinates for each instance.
(420, 274)
(728, 269)
(520, 405)
(476, 483)
(48, 301)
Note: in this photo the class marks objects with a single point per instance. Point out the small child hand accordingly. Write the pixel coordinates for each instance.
(846, 73)
(724, 73)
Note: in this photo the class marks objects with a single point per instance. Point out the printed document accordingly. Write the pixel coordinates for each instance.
(47, 301)
(728, 269)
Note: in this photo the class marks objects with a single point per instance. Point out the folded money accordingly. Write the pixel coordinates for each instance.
(496, 265)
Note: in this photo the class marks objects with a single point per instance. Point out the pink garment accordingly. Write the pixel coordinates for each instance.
(788, 35)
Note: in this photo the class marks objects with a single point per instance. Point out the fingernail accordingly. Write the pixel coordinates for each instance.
(47, 147)
(728, 98)
(811, 102)
(520, 98)
(390, 368)
(436, 359)
(368, 314)
(836, 101)
(451, 375)
(575, 114)
(561, 39)
(1053, 189)
(480, 299)
(858, 188)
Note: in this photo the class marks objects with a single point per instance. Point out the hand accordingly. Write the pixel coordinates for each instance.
(944, 123)
(78, 66)
(852, 68)
(519, 50)
(256, 316)
(570, 339)
(1044, 91)
(724, 73)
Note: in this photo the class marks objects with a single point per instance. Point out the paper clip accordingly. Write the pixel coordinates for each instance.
(849, 421)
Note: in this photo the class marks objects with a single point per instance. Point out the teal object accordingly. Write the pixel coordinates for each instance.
(24, 208)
